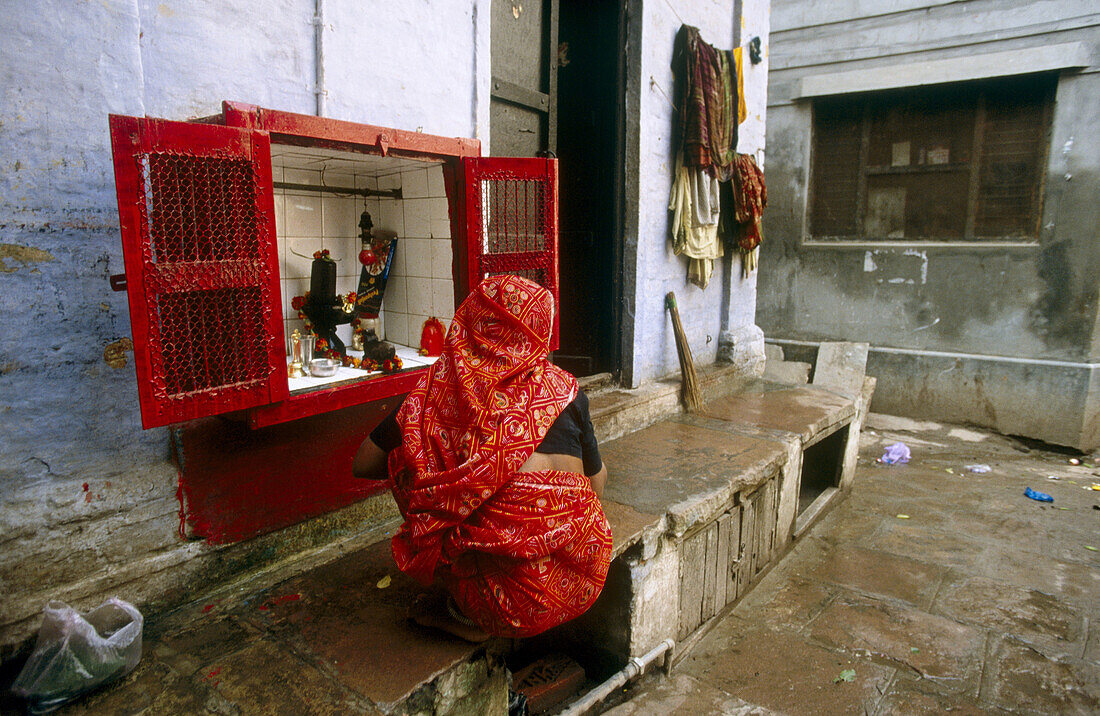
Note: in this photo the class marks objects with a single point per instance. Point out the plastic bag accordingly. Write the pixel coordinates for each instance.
(895, 454)
(77, 652)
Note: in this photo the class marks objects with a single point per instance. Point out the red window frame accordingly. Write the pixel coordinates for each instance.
(246, 130)
(512, 221)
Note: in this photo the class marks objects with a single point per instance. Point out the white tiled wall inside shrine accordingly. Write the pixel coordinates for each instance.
(421, 282)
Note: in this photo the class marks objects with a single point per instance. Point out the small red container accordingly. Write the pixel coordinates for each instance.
(431, 337)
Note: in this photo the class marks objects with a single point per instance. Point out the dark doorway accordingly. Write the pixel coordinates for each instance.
(555, 87)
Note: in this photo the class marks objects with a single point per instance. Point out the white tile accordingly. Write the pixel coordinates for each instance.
(414, 184)
(341, 220)
(366, 181)
(441, 258)
(435, 181)
(344, 333)
(418, 222)
(346, 284)
(280, 214)
(389, 181)
(390, 216)
(293, 287)
(397, 328)
(303, 215)
(441, 229)
(443, 298)
(439, 210)
(276, 173)
(416, 328)
(418, 257)
(345, 252)
(302, 176)
(419, 295)
(394, 299)
(298, 259)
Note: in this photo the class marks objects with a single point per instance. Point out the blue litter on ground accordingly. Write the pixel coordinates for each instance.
(1038, 496)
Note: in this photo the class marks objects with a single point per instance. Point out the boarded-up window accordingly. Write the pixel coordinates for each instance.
(957, 162)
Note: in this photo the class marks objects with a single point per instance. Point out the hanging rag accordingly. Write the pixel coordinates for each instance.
(709, 103)
(750, 196)
(694, 205)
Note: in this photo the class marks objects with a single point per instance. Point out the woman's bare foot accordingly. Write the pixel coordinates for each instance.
(430, 610)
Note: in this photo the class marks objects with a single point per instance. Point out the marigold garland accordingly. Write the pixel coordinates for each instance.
(322, 348)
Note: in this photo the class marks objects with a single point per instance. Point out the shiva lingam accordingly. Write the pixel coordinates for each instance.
(323, 307)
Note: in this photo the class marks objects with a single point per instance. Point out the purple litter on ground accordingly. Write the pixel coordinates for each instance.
(896, 453)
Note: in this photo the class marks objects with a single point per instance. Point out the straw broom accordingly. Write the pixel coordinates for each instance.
(693, 399)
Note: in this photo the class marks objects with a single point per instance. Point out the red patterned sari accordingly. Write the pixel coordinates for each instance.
(520, 552)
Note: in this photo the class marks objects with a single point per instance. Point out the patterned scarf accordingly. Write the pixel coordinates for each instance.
(708, 106)
(519, 552)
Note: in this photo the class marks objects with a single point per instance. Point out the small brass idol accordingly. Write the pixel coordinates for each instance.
(294, 370)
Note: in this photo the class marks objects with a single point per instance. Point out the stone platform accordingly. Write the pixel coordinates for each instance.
(701, 506)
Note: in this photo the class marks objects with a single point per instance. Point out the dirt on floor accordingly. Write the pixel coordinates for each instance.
(934, 586)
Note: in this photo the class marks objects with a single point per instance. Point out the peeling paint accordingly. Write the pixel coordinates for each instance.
(114, 354)
(869, 265)
(23, 254)
(923, 256)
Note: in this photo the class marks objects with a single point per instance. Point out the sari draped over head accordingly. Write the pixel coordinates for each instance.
(520, 552)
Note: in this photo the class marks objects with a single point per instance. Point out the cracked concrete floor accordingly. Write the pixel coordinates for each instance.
(929, 589)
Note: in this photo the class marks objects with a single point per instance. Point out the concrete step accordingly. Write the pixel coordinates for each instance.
(700, 506)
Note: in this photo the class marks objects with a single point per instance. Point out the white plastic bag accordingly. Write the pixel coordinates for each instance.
(77, 652)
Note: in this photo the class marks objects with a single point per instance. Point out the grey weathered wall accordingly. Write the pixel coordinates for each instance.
(1022, 310)
(725, 307)
(87, 498)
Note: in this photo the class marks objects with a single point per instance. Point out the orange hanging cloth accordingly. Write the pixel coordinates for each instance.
(519, 552)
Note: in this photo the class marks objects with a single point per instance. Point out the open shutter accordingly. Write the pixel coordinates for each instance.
(198, 236)
(512, 221)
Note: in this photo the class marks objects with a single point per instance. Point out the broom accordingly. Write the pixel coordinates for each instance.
(693, 399)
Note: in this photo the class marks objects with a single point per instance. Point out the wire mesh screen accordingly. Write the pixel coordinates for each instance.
(514, 215)
(207, 280)
(211, 339)
(536, 275)
(201, 208)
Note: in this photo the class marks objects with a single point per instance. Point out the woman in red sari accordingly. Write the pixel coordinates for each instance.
(510, 527)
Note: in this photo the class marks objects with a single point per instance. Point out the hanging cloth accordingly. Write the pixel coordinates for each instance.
(709, 103)
(694, 204)
(750, 196)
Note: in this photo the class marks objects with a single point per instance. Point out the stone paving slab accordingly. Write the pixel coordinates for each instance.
(759, 665)
(684, 695)
(944, 590)
(803, 410)
(674, 462)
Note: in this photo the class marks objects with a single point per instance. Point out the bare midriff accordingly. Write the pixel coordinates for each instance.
(552, 461)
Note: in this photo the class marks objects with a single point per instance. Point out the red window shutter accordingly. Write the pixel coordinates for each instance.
(198, 235)
(512, 221)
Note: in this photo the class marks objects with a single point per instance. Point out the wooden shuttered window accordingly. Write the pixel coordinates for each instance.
(952, 163)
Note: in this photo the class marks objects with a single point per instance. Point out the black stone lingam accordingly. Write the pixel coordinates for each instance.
(324, 309)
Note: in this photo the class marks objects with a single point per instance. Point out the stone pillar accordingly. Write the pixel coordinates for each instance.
(741, 342)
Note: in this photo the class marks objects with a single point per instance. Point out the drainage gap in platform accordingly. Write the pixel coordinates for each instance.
(822, 463)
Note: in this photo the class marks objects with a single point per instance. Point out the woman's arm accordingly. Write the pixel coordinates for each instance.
(369, 462)
(599, 480)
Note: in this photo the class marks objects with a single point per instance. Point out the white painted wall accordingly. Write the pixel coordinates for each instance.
(727, 305)
(67, 417)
